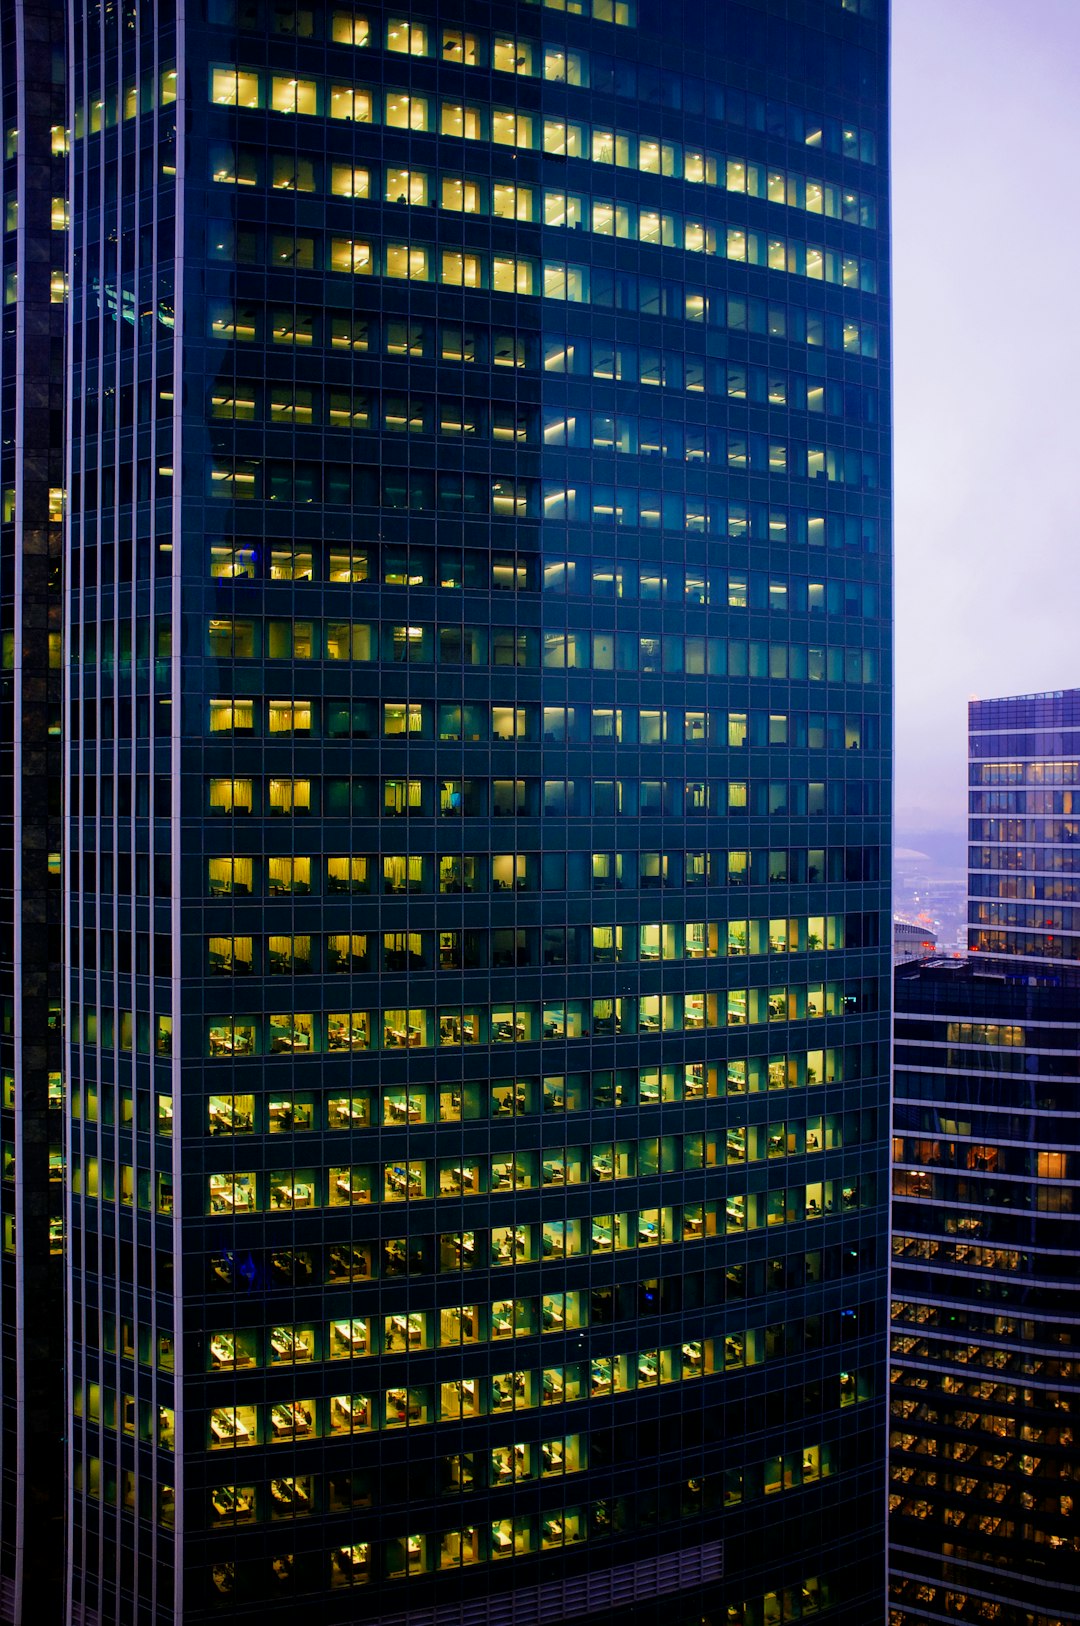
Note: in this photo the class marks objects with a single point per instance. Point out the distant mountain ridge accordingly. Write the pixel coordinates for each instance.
(946, 850)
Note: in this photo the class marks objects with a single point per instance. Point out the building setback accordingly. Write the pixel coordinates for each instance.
(477, 748)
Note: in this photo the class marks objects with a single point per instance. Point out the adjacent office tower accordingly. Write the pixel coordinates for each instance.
(1025, 826)
(985, 1382)
(477, 746)
(32, 250)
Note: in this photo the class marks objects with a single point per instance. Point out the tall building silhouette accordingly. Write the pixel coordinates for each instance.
(1025, 822)
(477, 783)
(984, 1386)
(33, 243)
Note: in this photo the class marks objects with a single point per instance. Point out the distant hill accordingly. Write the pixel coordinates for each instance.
(946, 850)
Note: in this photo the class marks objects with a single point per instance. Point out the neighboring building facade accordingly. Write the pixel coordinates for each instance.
(478, 720)
(985, 1379)
(912, 941)
(985, 1384)
(1024, 886)
(32, 254)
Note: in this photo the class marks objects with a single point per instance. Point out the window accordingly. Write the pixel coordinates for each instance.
(232, 716)
(348, 29)
(510, 202)
(231, 87)
(346, 254)
(293, 95)
(459, 47)
(510, 129)
(459, 120)
(347, 102)
(405, 112)
(409, 39)
(403, 260)
(346, 181)
(460, 194)
(511, 56)
(406, 186)
(230, 796)
(460, 270)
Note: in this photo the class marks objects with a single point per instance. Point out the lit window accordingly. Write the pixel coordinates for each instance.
(349, 182)
(232, 716)
(403, 260)
(404, 112)
(347, 102)
(510, 129)
(410, 39)
(461, 195)
(293, 95)
(511, 56)
(511, 276)
(511, 202)
(459, 47)
(459, 120)
(460, 270)
(348, 29)
(232, 87)
(406, 186)
(346, 254)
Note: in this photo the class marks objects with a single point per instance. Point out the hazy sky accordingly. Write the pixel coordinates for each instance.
(986, 219)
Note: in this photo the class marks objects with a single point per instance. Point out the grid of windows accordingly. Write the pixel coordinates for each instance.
(983, 1382)
(479, 714)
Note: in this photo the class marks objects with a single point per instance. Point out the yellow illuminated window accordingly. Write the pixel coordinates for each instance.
(460, 270)
(406, 186)
(511, 276)
(288, 716)
(289, 796)
(232, 716)
(411, 39)
(232, 87)
(459, 120)
(510, 202)
(404, 112)
(59, 214)
(293, 95)
(460, 194)
(509, 129)
(347, 102)
(346, 181)
(404, 260)
(346, 28)
(511, 56)
(230, 796)
(459, 47)
(346, 254)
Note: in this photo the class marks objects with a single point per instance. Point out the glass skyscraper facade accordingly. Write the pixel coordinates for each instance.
(1025, 826)
(984, 1381)
(33, 148)
(984, 1390)
(477, 737)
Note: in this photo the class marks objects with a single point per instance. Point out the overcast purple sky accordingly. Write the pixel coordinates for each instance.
(986, 220)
